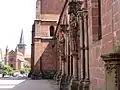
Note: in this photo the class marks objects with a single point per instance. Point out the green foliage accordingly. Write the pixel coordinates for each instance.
(117, 47)
(24, 70)
(48, 74)
(1, 68)
(7, 70)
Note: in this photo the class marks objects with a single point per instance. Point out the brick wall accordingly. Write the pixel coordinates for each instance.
(110, 26)
(96, 65)
(49, 56)
(45, 55)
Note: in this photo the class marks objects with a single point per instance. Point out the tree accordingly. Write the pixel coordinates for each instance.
(8, 70)
(25, 70)
(1, 68)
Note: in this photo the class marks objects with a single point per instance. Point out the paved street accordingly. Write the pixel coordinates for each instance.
(25, 84)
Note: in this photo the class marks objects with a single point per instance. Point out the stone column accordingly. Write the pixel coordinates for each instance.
(74, 67)
(112, 70)
(74, 6)
(84, 49)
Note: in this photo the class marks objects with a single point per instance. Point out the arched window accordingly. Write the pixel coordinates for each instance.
(51, 30)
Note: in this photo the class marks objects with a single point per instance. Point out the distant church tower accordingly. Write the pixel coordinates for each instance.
(6, 55)
(21, 45)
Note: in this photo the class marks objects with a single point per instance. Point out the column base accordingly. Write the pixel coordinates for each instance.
(75, 85)
(66, 83)
(86, 85)
(80, 85)
(58, 77)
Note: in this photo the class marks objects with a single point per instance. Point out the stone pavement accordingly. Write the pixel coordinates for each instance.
(28, 85)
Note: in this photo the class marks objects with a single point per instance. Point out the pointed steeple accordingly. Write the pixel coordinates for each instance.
(21, 45)
(21, 38)
(16, 49)
(7, 49)
(6, 55)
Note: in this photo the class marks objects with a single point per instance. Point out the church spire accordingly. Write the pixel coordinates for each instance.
(21, 45)
(21, 38)
(6, 55)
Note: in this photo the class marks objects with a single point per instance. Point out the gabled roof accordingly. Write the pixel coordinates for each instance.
(12, 52)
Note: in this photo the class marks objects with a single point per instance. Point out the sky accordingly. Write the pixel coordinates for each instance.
(16, 15)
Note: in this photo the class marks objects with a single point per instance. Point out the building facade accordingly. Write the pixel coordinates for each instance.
(43, 50)
(92, 30)
(16, 58)
(84, 30)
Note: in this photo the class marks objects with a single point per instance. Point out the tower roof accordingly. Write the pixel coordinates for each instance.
(7, 49)
(21, 38)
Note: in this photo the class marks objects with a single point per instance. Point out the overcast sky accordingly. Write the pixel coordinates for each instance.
(15, 15)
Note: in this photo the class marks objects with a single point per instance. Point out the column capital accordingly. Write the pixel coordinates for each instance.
(111, 57)
(63, 27)
(112, 70)
(82, 12)
(74, 6)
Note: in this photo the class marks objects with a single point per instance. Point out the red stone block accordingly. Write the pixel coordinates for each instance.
(107, 38)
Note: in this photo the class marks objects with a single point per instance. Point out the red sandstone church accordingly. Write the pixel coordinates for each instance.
(43, 50)
(71, 35)
(16, 58)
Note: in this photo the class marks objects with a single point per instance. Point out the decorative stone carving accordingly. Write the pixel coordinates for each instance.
(74, 6)
(76, 13)
(112, 66)
(62, 39)
(63, 27)
(82, 13)
(109, 68)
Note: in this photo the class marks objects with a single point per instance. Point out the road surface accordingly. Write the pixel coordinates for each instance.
(27, 84)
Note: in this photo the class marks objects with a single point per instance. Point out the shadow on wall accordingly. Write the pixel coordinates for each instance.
(47, 62)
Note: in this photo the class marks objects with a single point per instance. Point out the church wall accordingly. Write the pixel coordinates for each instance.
(97, 75)
(45, 55)
(110, 22)
(47, 14)
(12, 59)
(42, 30)
(107, 23)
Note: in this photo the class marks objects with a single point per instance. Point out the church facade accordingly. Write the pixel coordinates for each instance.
(43, 52)
(89, 29)
(84, 30)
(16, 58)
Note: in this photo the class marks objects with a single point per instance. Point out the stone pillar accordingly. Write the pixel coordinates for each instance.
(84, 49)
(74, 66)
(74, 7)
(112, 70)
